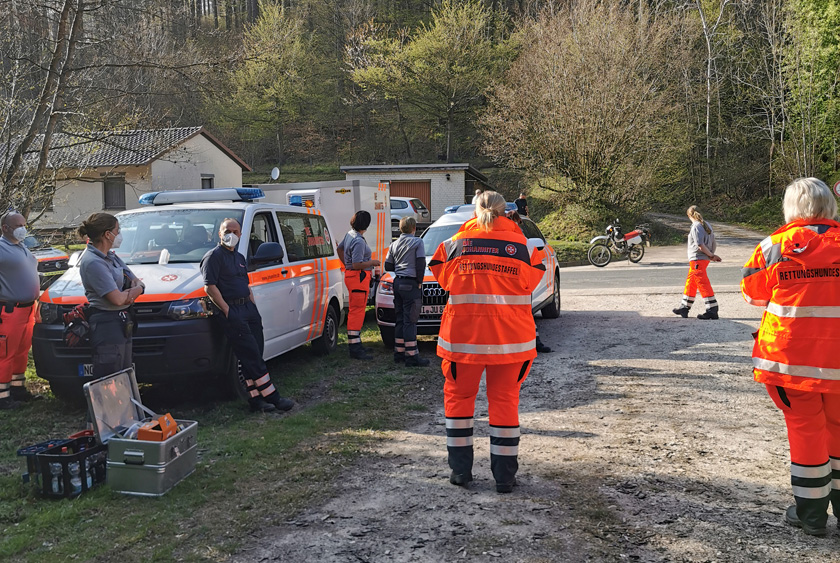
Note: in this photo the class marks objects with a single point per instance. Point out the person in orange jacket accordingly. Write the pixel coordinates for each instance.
(355, 254)
(795, 275)
(486, 325)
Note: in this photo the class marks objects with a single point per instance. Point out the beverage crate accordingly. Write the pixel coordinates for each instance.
(70, 469)
(29, 452)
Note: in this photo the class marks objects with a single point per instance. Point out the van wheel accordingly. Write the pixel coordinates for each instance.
(387, 333)
(552, 310)
(68, 391)
(234, 380)
(328, 341)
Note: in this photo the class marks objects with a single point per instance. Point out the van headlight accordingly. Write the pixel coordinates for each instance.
(189, 309)
(49, 312)
(386, 288)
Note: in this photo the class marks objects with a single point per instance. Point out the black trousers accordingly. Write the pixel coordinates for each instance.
(408, 298)
(243, 329)
(111, 347)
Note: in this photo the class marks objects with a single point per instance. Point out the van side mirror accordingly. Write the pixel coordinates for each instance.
(268, 252)
(74, 258)
(536, 242)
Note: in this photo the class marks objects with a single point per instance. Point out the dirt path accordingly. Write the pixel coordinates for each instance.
(644, 439)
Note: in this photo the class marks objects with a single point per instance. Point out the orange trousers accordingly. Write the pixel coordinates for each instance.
(503, 383)
(15, 341)
(697, 279)
(813, 427)
(358, 284)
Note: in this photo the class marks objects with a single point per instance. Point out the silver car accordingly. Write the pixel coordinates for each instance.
(408, 207)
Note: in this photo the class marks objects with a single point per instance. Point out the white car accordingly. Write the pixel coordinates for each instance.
(546, 297)
(408, 207)
(293, 268)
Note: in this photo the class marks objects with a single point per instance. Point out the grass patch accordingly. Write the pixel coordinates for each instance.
(569, 251)
(254, 470)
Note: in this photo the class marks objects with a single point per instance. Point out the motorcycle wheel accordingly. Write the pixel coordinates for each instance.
(599, 255)
(637, 251)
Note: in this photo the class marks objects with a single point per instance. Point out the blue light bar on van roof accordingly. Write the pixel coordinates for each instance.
(196, 196)
(296, 200)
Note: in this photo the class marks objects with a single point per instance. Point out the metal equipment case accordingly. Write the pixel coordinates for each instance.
(137, 467)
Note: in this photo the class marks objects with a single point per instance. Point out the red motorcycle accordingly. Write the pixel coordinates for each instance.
(632, 244)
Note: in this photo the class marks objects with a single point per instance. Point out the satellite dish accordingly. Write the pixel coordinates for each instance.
(275, 173)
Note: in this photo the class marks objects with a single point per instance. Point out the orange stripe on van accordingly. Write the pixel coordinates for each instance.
(314, 306)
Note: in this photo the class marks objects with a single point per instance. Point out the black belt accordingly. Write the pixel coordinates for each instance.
(406, 278)
(19, 305)
(239, 301)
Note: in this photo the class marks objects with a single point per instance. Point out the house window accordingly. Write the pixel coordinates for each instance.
(114, 192)
(206, 181)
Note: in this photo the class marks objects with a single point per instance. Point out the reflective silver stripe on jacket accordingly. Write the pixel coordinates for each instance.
(798, 371)
(504, 450)
(484, 299)
(487, 349)
(459, 422)
(790, 311)
(811, 492)
(459, 441)
(810, 472)
(751, 301)
(498, 432)
(772, 252)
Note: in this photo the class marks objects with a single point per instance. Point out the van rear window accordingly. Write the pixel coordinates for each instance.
(187, 234)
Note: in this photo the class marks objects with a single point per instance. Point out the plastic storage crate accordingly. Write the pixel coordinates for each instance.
(67, 474)
(31, 474)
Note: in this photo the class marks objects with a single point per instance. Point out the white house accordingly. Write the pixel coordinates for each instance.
(108, 171)
(437, 185)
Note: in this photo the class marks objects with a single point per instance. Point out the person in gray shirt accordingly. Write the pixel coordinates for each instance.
(19, 289)
(111, 289)
(407, 259)
(701, 251)
(355, 254)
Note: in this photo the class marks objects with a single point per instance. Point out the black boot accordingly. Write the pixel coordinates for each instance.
(280, 403)
(357, 352)
(258, 404)
(22, 395)
(416, 361)
(399, 357)
(681, 311)
(812, 529)
(709, 314)
(459, 433)
(7, 403)
(504, 460)
(542, 348)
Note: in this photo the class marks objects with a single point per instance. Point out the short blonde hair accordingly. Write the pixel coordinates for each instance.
(488, 206)
(408, 225)
(808, 198)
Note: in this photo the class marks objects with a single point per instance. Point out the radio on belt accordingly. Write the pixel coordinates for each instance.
(164, 450)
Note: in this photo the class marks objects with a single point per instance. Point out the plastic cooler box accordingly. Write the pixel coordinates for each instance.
(137, 467)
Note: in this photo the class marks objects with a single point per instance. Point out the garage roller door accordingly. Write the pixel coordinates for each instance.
(421, 189)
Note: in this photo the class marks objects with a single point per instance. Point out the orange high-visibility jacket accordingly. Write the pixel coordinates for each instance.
(795, 274)
(489, 277)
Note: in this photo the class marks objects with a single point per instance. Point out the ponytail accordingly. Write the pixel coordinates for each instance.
(489, 206)
(695, 215)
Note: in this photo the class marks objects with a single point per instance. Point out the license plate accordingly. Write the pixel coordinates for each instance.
(85, 370)
(432, 309)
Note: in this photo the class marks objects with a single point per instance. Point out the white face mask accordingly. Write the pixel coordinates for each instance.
(230, 240)
(19, 233)
(117, 241)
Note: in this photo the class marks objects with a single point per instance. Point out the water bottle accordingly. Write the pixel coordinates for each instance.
(89, 471)
(57, 479)
(75, 477)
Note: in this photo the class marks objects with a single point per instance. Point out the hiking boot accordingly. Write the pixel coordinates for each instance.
(460, 479)
(22, 395)
(709, 314)
(505, 487)
(416, 361)
(681, 311)
(399, 357)
(280, 403)
(7, 403)
(793, 519)
(258, 404)
(359, 353)
(542, 348)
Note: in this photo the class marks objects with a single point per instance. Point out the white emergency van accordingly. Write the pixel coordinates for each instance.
(294, 273)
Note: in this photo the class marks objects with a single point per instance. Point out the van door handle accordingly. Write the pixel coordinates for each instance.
(284, 271)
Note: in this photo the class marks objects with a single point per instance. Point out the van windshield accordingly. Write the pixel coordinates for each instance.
(187, 234)
(433, 236)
